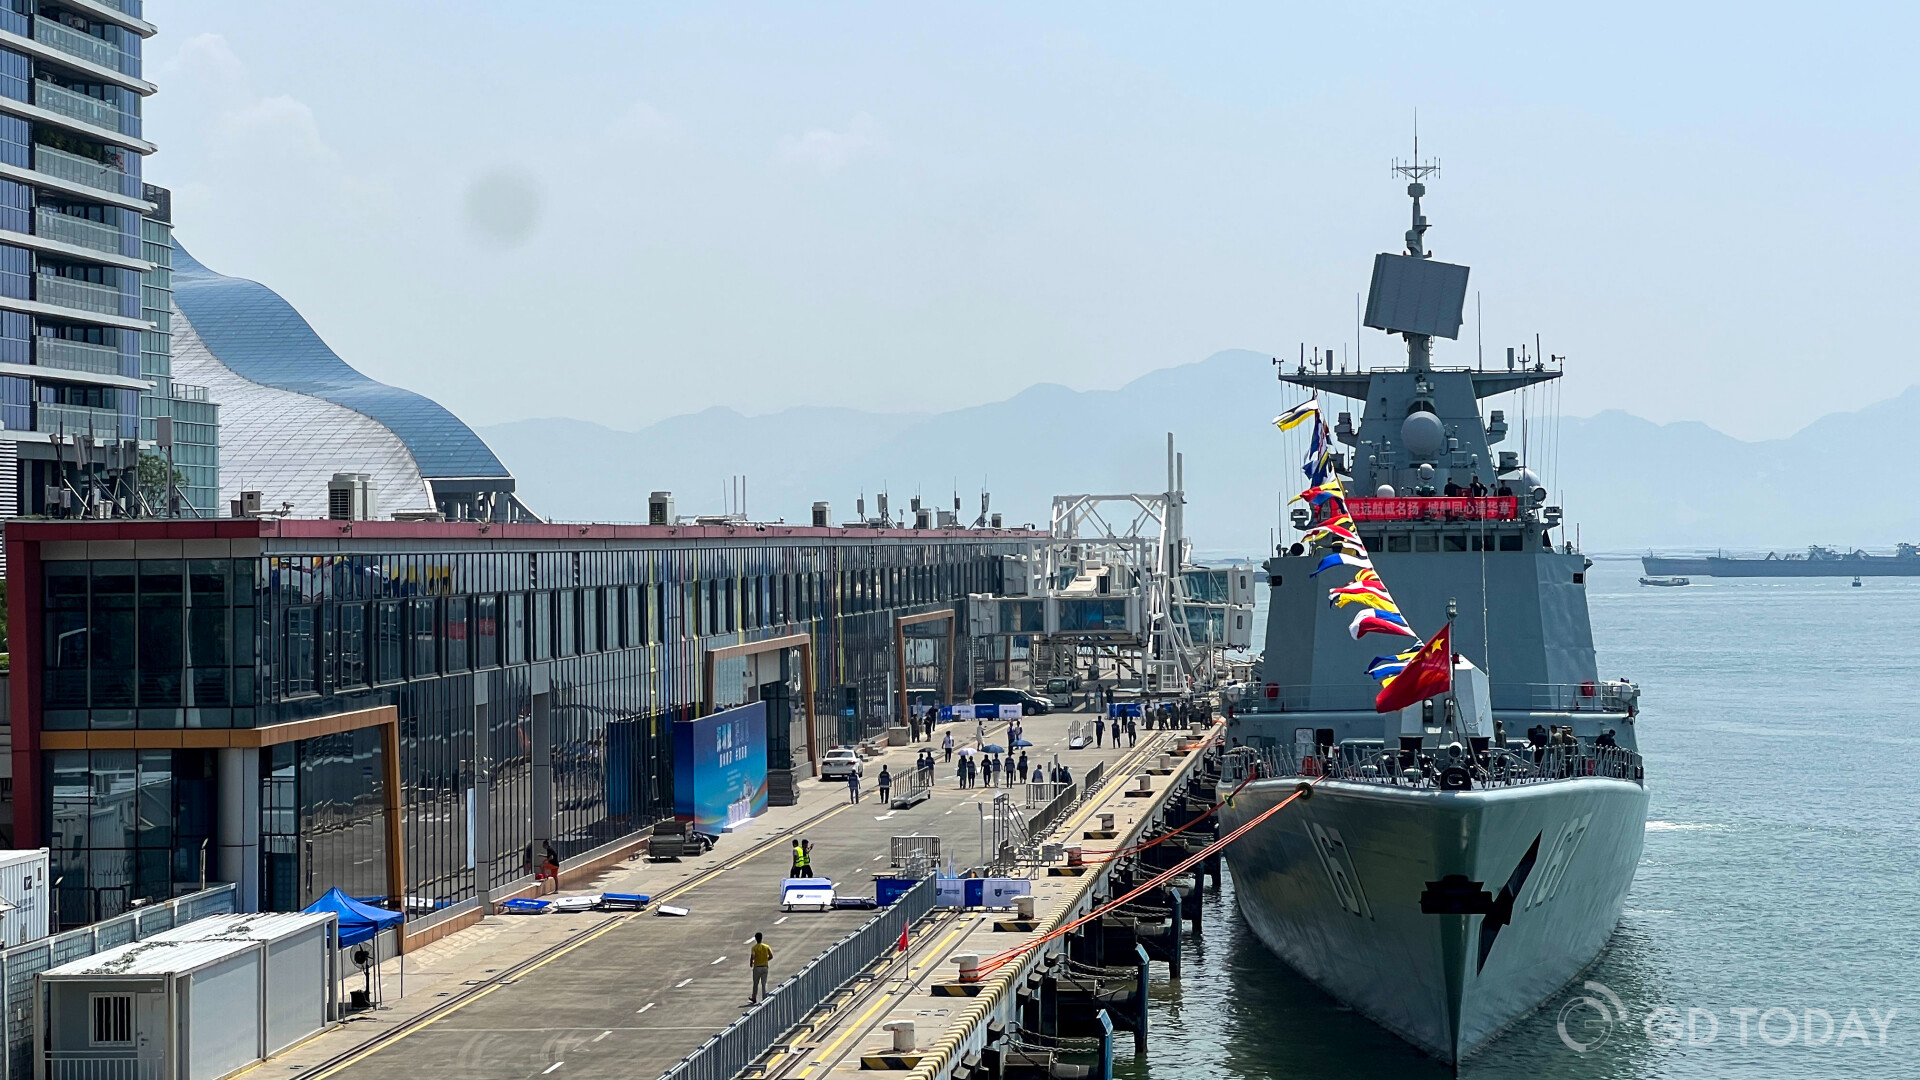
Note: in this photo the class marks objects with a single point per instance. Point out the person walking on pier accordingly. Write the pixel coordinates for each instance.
(1099, 731)
(1023, 766)
(853, 786)
(947, 745)
(886, 785)
(800, 860)
(759, 958)
(1133, 732)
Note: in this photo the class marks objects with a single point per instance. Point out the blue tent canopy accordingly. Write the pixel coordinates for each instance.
(358, 921)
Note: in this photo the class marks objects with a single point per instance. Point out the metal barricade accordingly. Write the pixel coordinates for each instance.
(742, 1042)
(911, 849)
(1042, 823)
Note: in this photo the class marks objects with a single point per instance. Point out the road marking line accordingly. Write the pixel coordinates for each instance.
(602, 1035)
(857, 1026)
(567, 948)
(643, 1008)
(781, 919)
(552, 1067)
(718, 960)
(681, 983)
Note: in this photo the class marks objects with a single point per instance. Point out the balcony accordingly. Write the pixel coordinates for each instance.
(87, 110)
(84, 295)
(84, 170)
(76, 420)
(79, 231)
(188, 392)
(85, 46)
(124, 7)
(68, 355)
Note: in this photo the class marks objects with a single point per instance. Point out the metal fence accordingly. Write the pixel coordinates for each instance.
(21, 963)
(741, 1043)
(1042, 823)
(99, 1066)
(1094, 776)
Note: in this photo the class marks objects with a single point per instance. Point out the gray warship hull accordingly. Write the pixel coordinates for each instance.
(1334, 884)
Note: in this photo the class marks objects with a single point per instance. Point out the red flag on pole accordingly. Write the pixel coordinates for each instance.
(903, 939)
(1426, 675)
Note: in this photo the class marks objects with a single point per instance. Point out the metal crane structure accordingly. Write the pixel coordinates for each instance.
(1108, 595)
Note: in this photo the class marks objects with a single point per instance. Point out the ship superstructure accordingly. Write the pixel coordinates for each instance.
(1463, 858)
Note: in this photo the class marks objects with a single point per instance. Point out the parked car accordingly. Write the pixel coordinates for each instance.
(1032, 704)
(1060, 692)
(840, 761)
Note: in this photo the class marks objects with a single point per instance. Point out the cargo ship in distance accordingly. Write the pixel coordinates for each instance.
(1817, 562)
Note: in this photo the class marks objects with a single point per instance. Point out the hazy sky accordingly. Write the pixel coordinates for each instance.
(623, 211)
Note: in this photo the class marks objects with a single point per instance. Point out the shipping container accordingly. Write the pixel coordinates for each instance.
(198, 1002)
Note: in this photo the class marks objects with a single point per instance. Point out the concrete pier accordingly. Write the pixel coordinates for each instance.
(629, 995)
(957, 1025)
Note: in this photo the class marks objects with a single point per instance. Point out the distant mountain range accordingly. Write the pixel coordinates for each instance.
(1630, 484)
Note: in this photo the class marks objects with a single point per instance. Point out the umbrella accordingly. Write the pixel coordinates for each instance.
(1018, 743)
(994, 748)
(965, 750)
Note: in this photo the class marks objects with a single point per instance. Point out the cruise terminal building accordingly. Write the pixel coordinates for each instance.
(414, 709)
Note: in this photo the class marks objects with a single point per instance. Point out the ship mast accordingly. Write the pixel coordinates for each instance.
(1419, 346)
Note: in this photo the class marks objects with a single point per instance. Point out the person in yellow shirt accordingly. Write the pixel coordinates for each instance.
(758, 958)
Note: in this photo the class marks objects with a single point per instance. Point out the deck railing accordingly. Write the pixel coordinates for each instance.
(1589, 697)
(1375, 763)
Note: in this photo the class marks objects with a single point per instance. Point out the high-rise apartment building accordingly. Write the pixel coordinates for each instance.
(84, 370)
(195, 437)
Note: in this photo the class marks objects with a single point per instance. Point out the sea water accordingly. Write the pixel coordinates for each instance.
(1773, 929)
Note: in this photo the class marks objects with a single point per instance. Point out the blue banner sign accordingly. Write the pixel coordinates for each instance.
(1131, 708)
(720, 768)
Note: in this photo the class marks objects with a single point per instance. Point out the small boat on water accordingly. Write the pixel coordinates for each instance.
(1665, 582)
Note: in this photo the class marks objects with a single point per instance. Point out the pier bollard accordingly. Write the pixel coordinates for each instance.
(1166, 762)
(1075, 856)
(903, 1034)
(969, 966)
(1106, 822)
(1023, 906)
(1143, 783)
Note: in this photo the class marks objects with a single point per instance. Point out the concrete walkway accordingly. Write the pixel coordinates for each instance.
(629, 995)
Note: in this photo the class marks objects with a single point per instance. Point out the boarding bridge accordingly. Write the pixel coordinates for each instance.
(1111, 590)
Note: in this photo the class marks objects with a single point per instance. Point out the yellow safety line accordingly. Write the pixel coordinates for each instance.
(891, 995)
(979, 1006)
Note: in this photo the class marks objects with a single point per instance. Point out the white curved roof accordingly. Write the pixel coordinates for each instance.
(287, 445)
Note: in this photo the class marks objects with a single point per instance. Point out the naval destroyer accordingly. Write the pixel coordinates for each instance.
(1458, 861)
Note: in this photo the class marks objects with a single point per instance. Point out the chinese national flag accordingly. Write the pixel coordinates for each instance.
(903, 939)
(1426, 675)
